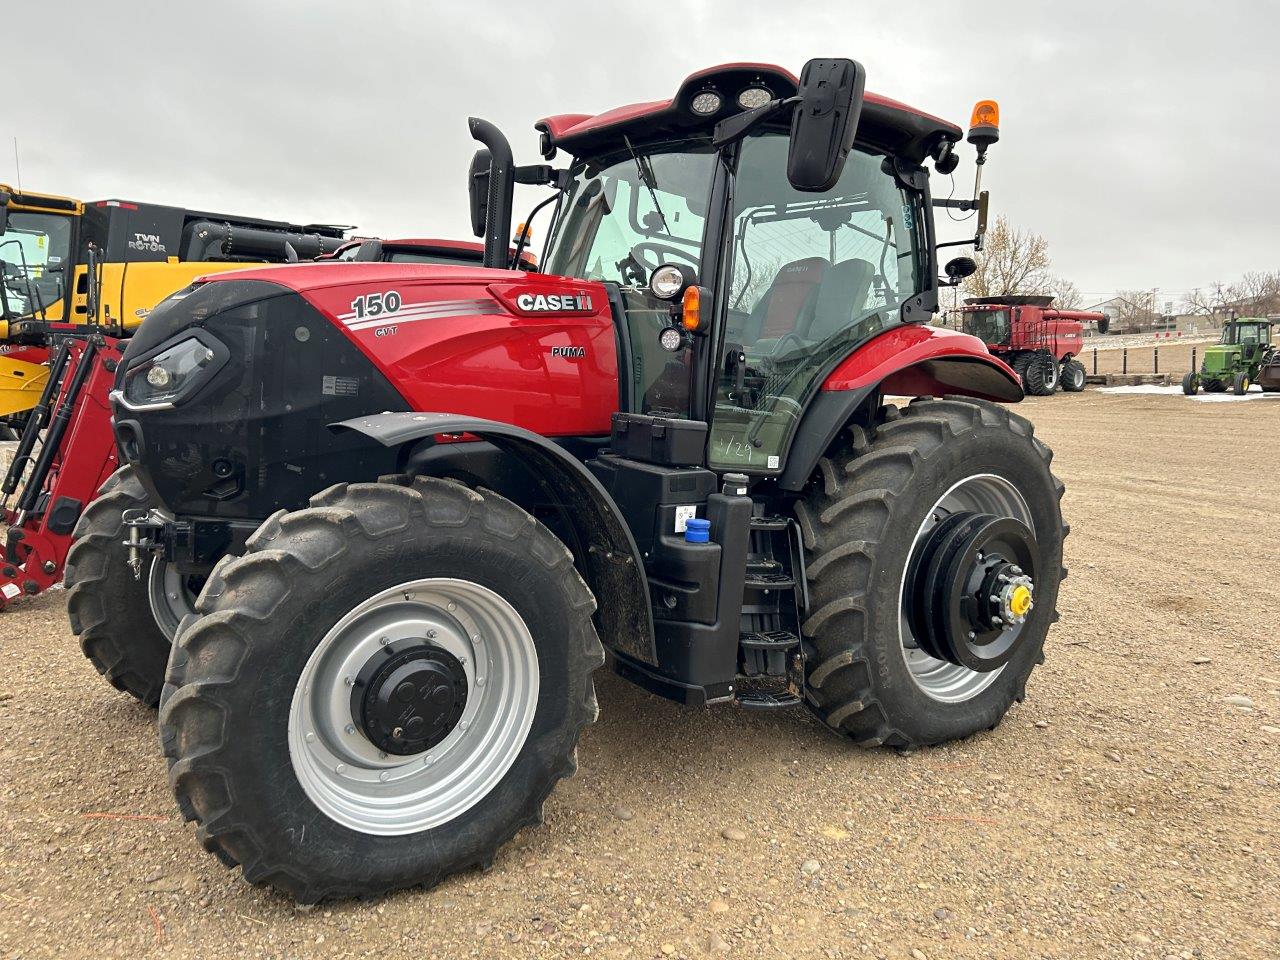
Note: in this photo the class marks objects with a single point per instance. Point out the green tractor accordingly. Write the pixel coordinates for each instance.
(1234, 360)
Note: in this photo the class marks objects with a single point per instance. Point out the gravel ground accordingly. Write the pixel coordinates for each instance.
(1127, 809)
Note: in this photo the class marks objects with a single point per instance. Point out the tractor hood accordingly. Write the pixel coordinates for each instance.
(226, 394)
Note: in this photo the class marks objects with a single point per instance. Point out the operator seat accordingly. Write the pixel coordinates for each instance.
(842, 297)
(788, 305)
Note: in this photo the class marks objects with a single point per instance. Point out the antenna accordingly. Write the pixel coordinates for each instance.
(17, 166)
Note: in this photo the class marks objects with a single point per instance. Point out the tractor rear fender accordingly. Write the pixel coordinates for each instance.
(910, 360)
(605, 551)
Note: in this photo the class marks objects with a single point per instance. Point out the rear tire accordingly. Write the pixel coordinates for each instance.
(1240, 384)
(1190, 384)
(860, 527)
(109, 610)
(1214, 386)
(1072, 376)
(247, 679)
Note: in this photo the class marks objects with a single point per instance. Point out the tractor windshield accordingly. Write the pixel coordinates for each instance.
(35, 254)
(813, 275)
(1243, 334)
(625, 214)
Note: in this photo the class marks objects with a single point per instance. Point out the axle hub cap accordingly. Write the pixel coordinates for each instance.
(970, 587)
(409, 700)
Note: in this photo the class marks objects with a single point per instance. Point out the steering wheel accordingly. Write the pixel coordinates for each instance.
(661, 253)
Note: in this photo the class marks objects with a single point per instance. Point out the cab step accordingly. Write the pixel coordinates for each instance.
(768, 581)
(774, 523)
(767, 700)
(767, 653)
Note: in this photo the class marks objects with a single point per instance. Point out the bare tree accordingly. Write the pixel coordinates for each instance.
(1066, 295)
(1209, 301)
(1256, 293)
(1135, 309)
(1012, 262)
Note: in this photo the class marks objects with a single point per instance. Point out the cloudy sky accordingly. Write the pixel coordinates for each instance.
(1143, 140)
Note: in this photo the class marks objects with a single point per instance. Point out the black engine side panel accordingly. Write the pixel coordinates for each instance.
(256, 438)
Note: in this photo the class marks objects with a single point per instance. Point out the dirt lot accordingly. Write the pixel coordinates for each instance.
(1127, 809)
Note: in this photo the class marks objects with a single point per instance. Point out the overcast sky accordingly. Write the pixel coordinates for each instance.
(1141, 139)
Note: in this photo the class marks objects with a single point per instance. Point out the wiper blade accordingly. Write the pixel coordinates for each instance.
(649, 180)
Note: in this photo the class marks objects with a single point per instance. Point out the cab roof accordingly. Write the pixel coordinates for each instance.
(886, 124)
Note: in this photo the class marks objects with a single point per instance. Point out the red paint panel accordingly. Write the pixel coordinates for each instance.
(455, 348)
(888, 359)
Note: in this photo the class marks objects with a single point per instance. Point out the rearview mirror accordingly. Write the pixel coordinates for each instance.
(478, 190)
(824, 123)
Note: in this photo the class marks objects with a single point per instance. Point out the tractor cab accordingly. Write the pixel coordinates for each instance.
(1249, 334)
(739, 288)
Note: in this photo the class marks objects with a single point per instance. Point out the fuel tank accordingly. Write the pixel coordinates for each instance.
(227, 390)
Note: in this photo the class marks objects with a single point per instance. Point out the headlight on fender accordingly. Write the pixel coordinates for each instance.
(172, 372)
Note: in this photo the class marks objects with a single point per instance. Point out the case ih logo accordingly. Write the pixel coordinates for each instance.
(553, 302)
(147, 242)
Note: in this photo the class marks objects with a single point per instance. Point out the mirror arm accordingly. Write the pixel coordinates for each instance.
(732, 129)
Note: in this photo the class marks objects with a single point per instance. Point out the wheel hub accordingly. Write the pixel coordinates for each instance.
(409, 699)
(970, 588)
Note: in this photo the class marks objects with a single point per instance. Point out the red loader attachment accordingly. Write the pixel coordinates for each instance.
(65, 453)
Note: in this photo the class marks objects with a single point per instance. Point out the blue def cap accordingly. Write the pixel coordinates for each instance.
(697, 531)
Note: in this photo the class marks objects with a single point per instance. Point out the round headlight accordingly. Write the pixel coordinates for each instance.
(753, 97)
(706, 103)
(671, 339)
(667, 281)
(159, 377)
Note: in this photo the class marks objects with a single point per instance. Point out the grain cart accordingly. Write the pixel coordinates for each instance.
(1038, 340)
(429, 500)
(1236, 360)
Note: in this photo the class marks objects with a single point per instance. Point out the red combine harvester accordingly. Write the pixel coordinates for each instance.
(1039, 341)
(67, 449)
(427, 502)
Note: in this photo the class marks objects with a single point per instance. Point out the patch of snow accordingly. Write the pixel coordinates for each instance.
(1227, 397)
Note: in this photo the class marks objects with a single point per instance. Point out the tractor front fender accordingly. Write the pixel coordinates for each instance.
(909, 360)
(609, 559)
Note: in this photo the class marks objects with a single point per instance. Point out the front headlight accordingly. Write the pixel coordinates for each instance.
(172, 372)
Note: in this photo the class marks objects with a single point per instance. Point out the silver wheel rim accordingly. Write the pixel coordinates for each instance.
(170, 597)
(347, 777)
(949, 682)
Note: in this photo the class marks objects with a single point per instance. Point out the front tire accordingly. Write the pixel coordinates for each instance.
(275, 747)
(1041, 377)
(1190, 384)
(108, 608)
(1240, 384)
(861, 530)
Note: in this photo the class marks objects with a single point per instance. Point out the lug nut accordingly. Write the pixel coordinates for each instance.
(350, 728)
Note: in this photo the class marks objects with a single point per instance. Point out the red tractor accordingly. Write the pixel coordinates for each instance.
(423, 504)
(1040, 342)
